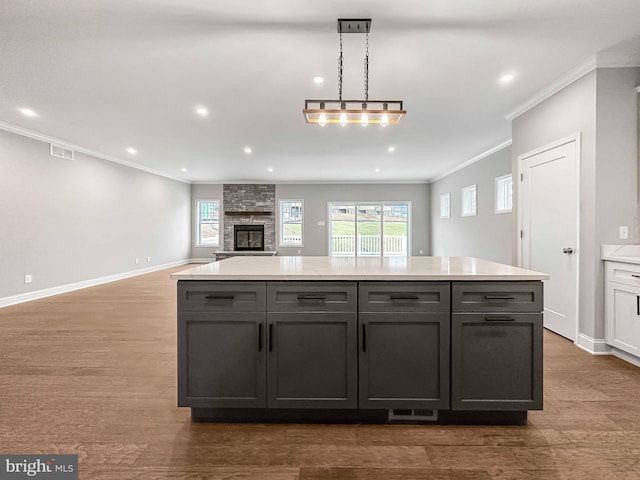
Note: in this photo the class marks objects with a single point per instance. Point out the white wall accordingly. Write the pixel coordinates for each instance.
(66, 221)
(488, 235)
(603, 107)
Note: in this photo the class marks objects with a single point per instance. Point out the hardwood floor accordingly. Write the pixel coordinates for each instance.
(93, 372)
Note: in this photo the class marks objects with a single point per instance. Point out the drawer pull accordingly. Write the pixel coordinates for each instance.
(499, 319)
(317, 298)
(260, 337)
(364, 337)
(220, 297)
(404, 297)
(498, 297)
(635, 276)
(637, 304)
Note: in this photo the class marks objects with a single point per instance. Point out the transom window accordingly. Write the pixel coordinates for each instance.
(369, 229)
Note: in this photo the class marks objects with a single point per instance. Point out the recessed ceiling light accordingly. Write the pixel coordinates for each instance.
(131, 150)
(270, 169)
(202, 111)
(377, 170)
(507, 77)
(27, 112)
(183, 169)
(391, 149)
(318, 80)
(247, 150)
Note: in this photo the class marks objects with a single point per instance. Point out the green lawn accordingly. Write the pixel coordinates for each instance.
(342, 227)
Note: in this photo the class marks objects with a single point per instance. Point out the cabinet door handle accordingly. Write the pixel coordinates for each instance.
(404, 297)
(271, 337)
(320, 298)
(637, 304)
(498, 297)
(220, 297)
(260, 337)
(364, 337)
(635, 276)
(499, 319)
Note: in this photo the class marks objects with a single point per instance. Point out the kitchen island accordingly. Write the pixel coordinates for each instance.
(446, 339)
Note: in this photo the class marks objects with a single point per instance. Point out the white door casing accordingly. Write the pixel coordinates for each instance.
(548, 222)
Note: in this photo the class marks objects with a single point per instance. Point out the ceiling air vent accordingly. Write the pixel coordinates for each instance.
(62, 152)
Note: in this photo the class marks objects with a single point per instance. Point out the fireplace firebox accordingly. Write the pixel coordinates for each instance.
(248, 237)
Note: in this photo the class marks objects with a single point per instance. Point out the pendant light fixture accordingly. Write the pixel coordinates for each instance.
(343, 112)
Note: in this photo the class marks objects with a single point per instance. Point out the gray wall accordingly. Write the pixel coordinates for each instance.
(66, 221)
(316, 198)
(488, 235)
(603, 106)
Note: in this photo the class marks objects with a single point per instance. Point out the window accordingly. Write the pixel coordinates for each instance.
(208, 219)
(369, 229)
(504, 194)
(291, 214)
(445, 205)
(469, 201)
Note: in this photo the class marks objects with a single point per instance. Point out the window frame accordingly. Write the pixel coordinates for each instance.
(469, 188)
(498, 193)
(198, 218)
(281, 223)
(446, 196)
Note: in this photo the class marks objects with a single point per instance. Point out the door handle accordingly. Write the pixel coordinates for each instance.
(567, 250)
(260, 337)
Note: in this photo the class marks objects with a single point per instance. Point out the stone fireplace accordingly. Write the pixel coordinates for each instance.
(249, 205)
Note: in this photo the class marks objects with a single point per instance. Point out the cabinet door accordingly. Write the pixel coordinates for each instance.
(221, 360)
(312, 360)
(623, 317)
(404, 360)
(496, 361)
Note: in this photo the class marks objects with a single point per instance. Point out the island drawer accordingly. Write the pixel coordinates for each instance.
(496, 296)
(404, 296)
(214, 296)
(303, 296)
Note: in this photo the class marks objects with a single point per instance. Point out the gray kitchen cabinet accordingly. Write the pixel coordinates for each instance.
(312, 351)
(496, 346)
(222, 344)
(404, 345)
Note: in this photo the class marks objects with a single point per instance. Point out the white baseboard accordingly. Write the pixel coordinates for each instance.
(625, 356)
(595, 346)
(70, 287)
(201, 260)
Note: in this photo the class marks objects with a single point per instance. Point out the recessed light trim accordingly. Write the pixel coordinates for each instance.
(202, 111)
(27, 112)
(270, 169)
(131, 151)
(507, 77)
(391, 149)
(318, 80)
(183, 169)
(377, 170)
(247, 150)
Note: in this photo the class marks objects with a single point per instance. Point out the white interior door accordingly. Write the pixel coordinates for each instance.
(548, 219)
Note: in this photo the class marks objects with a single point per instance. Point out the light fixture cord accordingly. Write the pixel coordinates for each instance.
(366, 70)
(340, 69)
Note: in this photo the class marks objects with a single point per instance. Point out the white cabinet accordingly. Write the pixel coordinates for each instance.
(622, 300)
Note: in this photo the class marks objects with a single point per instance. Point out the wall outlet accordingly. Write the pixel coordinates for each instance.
(321, 223)
(299, 252)
(27, 279)
(148, 259)
(420, 252)
(137, 261)
(624, 232)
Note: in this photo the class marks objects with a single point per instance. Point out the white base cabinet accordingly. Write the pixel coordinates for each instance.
(622, 300)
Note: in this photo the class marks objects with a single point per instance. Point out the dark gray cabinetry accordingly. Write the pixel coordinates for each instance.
(496, 346)
(221, 344)
(404, 345)
(312, 346)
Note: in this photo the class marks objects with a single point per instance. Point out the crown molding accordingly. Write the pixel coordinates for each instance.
(473, 160)
(25, 132)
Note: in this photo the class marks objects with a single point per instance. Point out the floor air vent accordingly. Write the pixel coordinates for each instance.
(415, 414)
(62, 152)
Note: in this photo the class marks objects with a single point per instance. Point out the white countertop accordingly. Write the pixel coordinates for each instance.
(360, 268)
(621, 253)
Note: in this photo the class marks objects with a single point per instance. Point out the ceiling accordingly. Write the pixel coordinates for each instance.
(106, 75)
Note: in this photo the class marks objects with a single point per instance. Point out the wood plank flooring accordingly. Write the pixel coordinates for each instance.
(93, 372)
